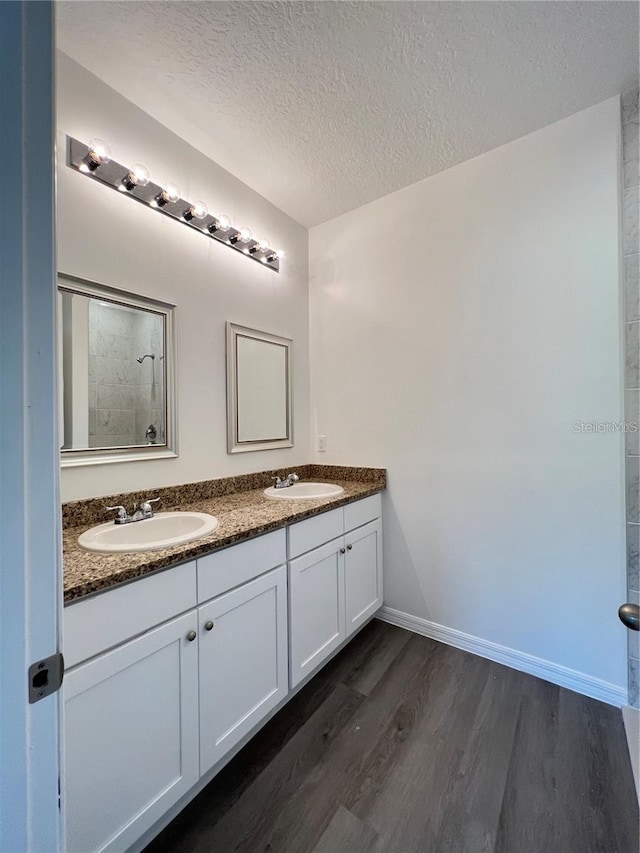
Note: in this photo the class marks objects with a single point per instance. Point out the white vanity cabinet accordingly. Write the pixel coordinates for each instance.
(169, 675)
(334, 586)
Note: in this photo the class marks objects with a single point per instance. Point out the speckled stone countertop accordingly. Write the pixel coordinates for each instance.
(239, 504)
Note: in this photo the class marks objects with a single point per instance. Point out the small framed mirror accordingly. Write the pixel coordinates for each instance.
(116, 375)
(259, 411)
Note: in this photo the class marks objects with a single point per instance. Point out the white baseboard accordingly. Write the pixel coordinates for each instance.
(580, 682)
(631, 717)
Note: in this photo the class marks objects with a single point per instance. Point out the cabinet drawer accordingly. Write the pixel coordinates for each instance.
(360, 512)
(96, 624)
(224, 570)
(315, 531)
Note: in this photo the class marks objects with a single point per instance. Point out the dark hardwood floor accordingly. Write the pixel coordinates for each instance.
(403, 744)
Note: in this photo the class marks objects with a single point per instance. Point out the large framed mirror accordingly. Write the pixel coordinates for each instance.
(259, 410)
(116, 375)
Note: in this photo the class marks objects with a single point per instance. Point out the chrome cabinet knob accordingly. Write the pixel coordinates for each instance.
(342, 550)
(191, 636)
(208, 625)
(349, 547)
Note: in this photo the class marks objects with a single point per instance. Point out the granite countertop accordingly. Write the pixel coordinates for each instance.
(242, 515)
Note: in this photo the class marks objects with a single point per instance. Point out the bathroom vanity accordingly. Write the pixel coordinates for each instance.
(169, 675)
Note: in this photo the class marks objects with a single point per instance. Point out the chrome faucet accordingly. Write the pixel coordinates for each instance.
(140, 513)
(289, 480)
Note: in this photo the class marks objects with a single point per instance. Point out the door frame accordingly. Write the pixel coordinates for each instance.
(30, 516)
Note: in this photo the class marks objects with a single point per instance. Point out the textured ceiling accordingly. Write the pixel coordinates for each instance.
(322, 107)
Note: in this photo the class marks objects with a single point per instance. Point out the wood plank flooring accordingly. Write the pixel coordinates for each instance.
(405, 745)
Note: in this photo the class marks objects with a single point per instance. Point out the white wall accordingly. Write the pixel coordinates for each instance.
(107, 238)
(459, 328)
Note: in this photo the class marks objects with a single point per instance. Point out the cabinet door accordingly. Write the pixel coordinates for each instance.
(243, 662)
(363, 574)
(131, 736)
(316, 613)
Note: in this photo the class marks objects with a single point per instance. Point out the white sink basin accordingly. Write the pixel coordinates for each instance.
(164, 530)
(304, 491)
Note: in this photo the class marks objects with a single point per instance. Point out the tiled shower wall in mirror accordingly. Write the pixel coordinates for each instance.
(126, 370)
(630, 231)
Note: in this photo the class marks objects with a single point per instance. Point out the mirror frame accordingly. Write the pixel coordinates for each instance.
(135, 453)
(234, 445)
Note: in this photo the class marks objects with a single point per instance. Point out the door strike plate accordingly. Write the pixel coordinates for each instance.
(45, 677)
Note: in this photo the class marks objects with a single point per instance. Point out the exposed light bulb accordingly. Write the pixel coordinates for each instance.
(140, 173)
(262, 245)
(198, 210)
(276, 254)
(246, 234)
(220, 223)
(99, 150)
(99, 153)
(138, 177)
(170, 195)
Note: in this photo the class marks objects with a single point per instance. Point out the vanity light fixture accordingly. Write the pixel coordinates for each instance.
(137, 176)
(94, 161)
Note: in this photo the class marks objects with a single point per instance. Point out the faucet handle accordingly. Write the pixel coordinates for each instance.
(277, 479)
(145, 506)
(293, 477)
(122, 513)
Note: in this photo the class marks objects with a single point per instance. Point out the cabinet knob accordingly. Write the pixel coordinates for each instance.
(349, 547)
(342, 550)
(208, 625)
(191, 636)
